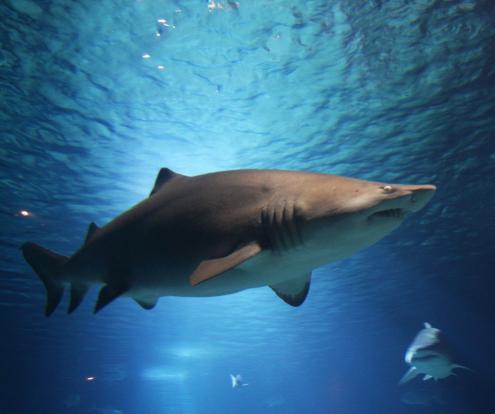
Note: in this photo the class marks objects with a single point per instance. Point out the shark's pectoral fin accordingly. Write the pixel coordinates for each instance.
(208, 269)
(293, 291)
(108, 294)
(146, 304)
(92, 231)
(77, 292)
(454, 366)
(409, 375)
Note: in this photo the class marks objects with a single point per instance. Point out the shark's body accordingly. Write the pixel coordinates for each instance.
(428, 355)
(221, 233)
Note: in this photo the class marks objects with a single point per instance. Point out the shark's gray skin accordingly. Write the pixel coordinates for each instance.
(224, 232)
(237, 381)
(429, 355)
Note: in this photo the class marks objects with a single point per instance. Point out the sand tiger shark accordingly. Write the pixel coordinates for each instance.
(223, 232)
(429, 355)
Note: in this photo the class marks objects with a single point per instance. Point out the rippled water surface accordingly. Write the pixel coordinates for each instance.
(97, 96)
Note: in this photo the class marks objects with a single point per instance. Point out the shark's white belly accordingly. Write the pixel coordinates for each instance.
(266, 269)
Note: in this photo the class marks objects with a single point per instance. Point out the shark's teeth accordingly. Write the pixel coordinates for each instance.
(392, 212)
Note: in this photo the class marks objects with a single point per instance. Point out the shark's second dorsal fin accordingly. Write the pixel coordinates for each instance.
(164, 176)
(92, 230)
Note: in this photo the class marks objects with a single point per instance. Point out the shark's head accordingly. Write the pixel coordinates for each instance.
(347, 214)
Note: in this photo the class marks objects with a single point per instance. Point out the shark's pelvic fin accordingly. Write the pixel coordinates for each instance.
(108, 294)
(208, 269)
(77, 293)
(164, 176)
(293, 292)
(409, 375)
(427, 377)
(92, 230)
(146, 304)
(48, 266)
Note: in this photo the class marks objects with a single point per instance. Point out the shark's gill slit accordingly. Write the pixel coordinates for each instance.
(281, 226)
(289, 223)
(267, 227)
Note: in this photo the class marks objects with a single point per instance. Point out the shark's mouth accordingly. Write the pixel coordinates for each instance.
(428, 357)
(390, 213)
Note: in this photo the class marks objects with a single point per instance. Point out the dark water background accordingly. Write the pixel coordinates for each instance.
(398, 91)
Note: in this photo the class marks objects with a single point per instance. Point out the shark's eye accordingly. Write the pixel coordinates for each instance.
(387, 188)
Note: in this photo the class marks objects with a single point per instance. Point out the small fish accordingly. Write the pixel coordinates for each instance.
(237, 381)
(428, 354)
(72, 400)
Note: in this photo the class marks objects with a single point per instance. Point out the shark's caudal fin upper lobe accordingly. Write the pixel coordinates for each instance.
(47, 265)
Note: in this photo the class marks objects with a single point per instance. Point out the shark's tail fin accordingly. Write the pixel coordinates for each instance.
(48, 266)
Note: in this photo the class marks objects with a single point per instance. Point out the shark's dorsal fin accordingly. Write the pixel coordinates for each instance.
(427, 325)
(208, 269)
(146, 304)
(293, 291)
(164, 176)
(92, 230)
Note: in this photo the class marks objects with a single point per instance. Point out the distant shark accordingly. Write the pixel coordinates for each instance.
(428, 355)
(423, 397)
(237, 381)
(224, 232)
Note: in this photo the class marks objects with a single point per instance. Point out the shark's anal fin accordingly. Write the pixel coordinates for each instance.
(294, 291)
(208, 269)
(77, 293)
(409, 375)
(164, 176)
(92, 231)
(108, 294)
(145, 304)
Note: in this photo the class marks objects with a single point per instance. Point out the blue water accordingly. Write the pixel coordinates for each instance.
(93, 102)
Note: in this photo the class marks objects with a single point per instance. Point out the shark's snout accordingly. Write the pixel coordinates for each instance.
(401, 200)
(420, 195)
